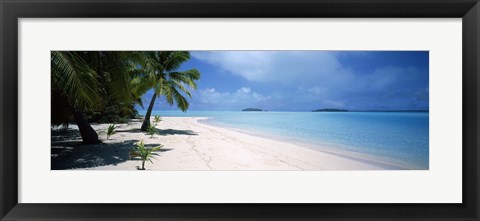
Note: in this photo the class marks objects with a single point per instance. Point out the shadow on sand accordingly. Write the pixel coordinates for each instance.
(67, 137)
(176, 132)
(88, 156)
(68, 152)
(163, 132)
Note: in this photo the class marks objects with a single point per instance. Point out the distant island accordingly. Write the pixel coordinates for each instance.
(252, 109)
(329, 110)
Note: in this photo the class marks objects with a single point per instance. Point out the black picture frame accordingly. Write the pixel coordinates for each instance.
(12, 10)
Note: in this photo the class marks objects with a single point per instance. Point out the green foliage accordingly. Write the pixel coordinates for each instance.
(161, 73)
(111, 131)
(139, 150)
(61, 114)
(97, 83)
(152, 130)
(112, 113)
(73, 77)
(157, 119)
(175, 85)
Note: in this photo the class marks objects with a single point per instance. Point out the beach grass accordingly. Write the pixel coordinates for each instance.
(145, 154)
(111, 130)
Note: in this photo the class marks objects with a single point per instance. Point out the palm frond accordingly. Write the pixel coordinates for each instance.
(75, 78)
(188, 77)
(180, 86)
(145, 154)
(118, 66)
(174, 59)
(181, 101)
(111, 130)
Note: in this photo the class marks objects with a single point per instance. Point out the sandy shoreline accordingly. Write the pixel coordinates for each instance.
(191, 145)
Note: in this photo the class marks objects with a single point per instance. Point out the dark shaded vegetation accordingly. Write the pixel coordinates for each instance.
(93, 86)
(112, 113)
(105, 86)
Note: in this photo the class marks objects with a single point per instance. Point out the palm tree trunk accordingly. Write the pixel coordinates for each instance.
(146, 121)
(143, 165)
(89, 136)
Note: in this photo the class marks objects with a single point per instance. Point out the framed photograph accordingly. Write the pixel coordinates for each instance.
(253, 110)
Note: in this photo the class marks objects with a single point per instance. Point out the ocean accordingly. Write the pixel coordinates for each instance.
(396, 138)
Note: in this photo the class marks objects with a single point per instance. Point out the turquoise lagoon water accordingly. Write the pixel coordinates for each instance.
(395, 138)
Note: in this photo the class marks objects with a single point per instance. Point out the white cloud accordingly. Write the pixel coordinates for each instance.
(276, 66)
(211, 96)
(309, 78)
(245, 90)
(252, 65)
(243, 97)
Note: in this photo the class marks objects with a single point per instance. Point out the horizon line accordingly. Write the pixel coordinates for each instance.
(343, 110)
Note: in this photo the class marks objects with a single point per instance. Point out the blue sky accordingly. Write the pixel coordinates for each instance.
(307, 80)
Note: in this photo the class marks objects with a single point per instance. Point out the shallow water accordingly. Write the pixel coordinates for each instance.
(399, 136)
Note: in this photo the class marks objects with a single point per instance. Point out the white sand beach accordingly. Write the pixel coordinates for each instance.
(191, 145)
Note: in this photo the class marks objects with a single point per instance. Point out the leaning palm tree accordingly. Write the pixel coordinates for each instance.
(160, 72)
(83, 81)
(73, 90)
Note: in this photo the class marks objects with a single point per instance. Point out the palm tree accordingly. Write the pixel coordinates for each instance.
(73, 90)
(83, 81)
(160, 72)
